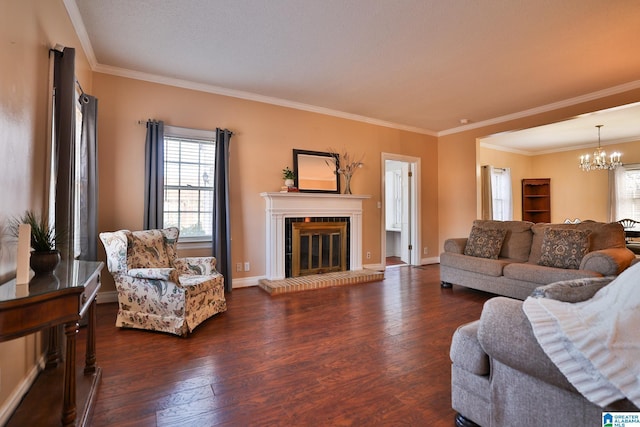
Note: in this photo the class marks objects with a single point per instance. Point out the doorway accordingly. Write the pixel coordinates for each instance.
(400, 210)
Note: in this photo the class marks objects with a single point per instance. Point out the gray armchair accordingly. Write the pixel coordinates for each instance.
(500, 376)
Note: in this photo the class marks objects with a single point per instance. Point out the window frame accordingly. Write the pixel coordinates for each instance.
(628, 168)
(204, 136)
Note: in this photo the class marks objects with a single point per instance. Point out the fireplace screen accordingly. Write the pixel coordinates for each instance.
(318, 247)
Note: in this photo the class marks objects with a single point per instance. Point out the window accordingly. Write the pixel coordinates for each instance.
(77, 182)
(497, 203)
(501, 194)
(188, 182)
(627, 192)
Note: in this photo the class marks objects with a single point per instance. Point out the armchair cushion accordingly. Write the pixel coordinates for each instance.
(146, 249)
(572, 290)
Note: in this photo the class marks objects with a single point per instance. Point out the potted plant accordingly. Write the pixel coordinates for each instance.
(44, 255)
(288, 176)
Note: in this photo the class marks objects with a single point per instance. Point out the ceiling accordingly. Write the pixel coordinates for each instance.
(420, 65)
(619, 124)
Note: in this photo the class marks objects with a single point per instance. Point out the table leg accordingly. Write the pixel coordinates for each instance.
(53, 348)
(90, 359)
(69, 402)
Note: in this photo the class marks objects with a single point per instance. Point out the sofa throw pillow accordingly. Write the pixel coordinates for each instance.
(485, 242)
(564, 248)
(145, 249)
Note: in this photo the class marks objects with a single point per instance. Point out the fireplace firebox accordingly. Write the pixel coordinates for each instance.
(318, 247)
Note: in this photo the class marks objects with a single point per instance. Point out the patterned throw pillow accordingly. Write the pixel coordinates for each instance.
(564, 248)
(485, 242)
(145, 249)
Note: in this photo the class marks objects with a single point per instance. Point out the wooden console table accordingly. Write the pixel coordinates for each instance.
(46, 302)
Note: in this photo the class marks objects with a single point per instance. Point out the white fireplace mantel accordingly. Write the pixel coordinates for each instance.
(296, 205)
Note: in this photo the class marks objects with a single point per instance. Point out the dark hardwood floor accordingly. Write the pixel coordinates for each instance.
(364, 355)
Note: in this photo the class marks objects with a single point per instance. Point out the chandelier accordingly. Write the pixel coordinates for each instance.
(599, 160)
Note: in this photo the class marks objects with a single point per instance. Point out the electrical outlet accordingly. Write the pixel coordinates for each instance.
(425, 251)
(368, 255)
(247, 266)
(239, 266)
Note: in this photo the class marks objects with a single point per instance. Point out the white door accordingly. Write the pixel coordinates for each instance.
(405, 225)
(402, 206)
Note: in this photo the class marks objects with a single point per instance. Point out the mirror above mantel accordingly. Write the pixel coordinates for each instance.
(315, 172)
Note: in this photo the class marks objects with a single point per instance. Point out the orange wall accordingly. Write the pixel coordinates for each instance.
(28, 28)
(521, 167)
(265, 136)
(574, 193)
(578, 194)
(458, 170)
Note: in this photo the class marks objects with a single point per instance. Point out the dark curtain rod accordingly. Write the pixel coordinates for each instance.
(144, 122)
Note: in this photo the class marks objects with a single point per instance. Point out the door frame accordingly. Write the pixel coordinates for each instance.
(415, 206)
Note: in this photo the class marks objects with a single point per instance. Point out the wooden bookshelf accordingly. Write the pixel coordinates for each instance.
(536, 200)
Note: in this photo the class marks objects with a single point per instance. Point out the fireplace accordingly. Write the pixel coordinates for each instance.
(288, 208)
(316, 245)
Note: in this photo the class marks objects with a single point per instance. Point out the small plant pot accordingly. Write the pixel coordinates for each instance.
(289, 182)
(44, 262)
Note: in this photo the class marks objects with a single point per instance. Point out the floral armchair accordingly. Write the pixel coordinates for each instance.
(156, 290)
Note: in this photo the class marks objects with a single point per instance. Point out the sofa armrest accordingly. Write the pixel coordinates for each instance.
(455, 245)
(505, 334)
(572, 290)
(152, 273)
(465, 351)
(608, 262)
(202, 266)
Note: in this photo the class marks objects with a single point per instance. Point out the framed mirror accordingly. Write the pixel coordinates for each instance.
(315, 172)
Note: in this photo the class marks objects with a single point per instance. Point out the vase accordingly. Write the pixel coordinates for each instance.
(43, 263)
(347, 184)
(289, 182)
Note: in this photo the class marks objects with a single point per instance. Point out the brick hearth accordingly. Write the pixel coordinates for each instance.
(317, 281)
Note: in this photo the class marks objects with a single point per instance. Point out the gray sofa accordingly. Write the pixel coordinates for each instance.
(516, 272)
(500, 376)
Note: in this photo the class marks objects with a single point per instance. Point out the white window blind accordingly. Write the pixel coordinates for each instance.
(188, 182)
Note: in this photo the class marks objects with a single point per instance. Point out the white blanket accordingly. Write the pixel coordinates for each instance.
(595, 343)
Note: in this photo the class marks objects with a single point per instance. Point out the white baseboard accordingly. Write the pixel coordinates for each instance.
(13, 400)
(431, 260)
(376, 267)
(246, 282)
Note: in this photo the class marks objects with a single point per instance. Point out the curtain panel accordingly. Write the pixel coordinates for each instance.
(487, 200)
(64, 148)
(88, 175)
(154, 176)
(221, 238)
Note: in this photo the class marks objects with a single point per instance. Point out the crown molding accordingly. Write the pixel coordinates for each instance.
(81, 32)
(217, 90)
(545, 108)
(78, 24)
(556, 150)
